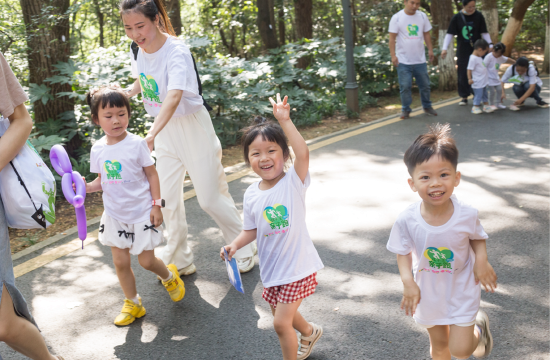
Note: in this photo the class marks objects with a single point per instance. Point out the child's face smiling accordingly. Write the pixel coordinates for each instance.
(113, 121)
(266, 159)
(434, 180)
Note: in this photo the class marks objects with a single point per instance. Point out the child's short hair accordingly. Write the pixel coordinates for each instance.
(481, 44)
(106, 95)
(269, 131)
(437, 141)
(499, 47)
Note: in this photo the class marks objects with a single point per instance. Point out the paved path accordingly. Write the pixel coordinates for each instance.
(358, 188)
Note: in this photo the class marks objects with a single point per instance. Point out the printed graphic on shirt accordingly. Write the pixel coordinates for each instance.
(149, 87)
(412, 29)
(497, 66)
(50, 213)
(439, 258)
(466, 30)
(276, 216)
(516, 79)
(113, 169)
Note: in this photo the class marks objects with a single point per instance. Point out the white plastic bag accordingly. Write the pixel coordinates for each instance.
(27, 188)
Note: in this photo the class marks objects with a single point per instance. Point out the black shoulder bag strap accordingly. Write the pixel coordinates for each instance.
(470, 34)
(135, 51)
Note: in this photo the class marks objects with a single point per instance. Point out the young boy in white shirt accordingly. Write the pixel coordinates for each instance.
(441, 253)
(478, 77)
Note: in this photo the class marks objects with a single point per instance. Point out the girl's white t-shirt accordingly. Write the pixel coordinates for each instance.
(170, 68)
(126, 192)
(530, 76)
(479, 72)
(443, 262)
(493, 64)
(285, 248)
(410, 29)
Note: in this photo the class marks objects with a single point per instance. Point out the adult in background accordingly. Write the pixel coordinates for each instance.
(182, 133)
(468, 26)
(17, 326)
(409, 29)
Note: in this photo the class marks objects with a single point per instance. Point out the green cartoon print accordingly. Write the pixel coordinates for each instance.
(113, 169)
(276, 216)
(149, 87)
(466, 30)
(516, 79)
(439, 258)
(50, 213)
(412, 29)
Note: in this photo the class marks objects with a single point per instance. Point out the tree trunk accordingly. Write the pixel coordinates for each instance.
(281, 19)
(442, 10)
(490, 12)
(546, 63)
(514, 24)
(100, 20)
(272, 16)
(48, 44)
(264, 25)
(303, 13)
(174, 13)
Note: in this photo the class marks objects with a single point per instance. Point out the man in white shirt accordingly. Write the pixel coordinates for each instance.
(409, 29)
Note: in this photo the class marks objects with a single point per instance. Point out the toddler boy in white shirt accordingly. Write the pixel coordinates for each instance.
(478, 77)
(441, 252)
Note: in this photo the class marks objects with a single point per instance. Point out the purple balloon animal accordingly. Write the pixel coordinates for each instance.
(62, 165)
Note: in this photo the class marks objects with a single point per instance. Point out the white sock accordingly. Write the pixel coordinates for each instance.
(169, 277)
(136, 299)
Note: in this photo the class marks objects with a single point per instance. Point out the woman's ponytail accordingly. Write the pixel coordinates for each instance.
(164, 18)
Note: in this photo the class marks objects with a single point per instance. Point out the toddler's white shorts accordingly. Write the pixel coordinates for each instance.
(461, 325)
(137, 237)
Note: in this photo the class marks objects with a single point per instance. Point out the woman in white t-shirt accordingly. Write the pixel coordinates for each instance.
(441, 253)
(274, 215)
(527, 83)
(182, 133)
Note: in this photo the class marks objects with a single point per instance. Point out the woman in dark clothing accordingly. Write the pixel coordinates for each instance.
(17, 326)
(468, 26)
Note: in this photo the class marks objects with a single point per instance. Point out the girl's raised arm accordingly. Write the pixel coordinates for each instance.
(281, 111)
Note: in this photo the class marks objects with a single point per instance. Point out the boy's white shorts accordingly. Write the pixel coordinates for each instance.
(461, 325)
(137, 237)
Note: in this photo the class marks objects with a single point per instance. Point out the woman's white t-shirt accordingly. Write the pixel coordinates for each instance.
(443, 262)
(126, 191)
(169, 68)
(285, 249)
(410, 29)
(513, 77)
(479, 72)
(493, 64)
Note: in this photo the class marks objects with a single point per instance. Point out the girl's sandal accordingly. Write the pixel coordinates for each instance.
(305, 350)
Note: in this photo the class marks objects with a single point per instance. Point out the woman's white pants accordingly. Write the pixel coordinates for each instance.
(189, 143)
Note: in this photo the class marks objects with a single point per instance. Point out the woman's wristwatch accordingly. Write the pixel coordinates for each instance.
(159, 202)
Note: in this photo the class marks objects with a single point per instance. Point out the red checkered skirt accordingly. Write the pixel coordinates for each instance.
(292, 292)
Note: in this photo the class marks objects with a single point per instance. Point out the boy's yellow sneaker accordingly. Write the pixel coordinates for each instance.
(174, 286)
(129, 313)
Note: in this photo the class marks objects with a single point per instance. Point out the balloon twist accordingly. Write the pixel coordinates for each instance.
(62, 165)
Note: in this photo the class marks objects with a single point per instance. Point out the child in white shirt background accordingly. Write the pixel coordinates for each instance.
(493, 60)
(478, 77)
(441, 253)
(274, 215)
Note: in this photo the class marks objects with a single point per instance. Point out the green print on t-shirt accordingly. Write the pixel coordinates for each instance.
(466, 30)
(412, 29)
(276, 216)
(113, 169)
(149, 87)
(516, 79)
(439, 258)
(50, 213)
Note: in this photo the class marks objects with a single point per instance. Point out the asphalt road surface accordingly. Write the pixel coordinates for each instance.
(359, 186)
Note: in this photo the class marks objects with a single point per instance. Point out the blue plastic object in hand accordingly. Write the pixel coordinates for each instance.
(233, 272)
